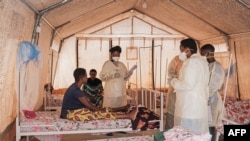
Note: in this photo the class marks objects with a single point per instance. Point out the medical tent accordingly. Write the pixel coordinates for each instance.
(79, 33)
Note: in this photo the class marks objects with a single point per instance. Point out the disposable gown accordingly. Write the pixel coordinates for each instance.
(115, 85)
(192, 95)
(217, 76)
(173, 72)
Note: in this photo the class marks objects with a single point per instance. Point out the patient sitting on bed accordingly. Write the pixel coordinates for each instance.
(93, 89)
(75, 105)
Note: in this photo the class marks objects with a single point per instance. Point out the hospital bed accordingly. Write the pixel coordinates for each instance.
(237, 112)
(53, 100)
(48, 126)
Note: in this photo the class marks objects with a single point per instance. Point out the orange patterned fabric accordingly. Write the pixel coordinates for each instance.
(85, 114)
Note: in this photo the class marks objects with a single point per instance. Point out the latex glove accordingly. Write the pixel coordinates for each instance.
(128, 75)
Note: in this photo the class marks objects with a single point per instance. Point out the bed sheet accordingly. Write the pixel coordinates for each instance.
(237, 111)
(180, 134)
(50, 118)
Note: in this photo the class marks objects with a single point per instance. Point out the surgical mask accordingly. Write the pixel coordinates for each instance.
(182, 56)
(115, 58)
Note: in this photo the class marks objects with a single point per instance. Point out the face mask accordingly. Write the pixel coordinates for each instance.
(182, 56)
(208, 57)
(115, 58)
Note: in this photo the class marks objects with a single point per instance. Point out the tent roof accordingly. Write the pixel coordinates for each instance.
(201, 20)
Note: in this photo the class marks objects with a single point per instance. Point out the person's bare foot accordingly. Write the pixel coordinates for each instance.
(133, 114)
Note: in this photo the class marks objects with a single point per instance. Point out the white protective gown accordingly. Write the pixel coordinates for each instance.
(115, 88)
(192, 95)
(173, 72)
(217, 76)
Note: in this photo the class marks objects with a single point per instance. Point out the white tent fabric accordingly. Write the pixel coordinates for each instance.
(7, 84)
(164, 50)
(66, 65)
(18, 19)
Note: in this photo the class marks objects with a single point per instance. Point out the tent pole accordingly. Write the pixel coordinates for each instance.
(60, 46)
(166, 75)
(77, 54)
(140, 61)
(136, 79)
(153, 83)
(155, 72)
(237, 76)
(35, 32)
(225, 90)
(160, 63)
(110, 46)
(140, 67)
(39, 15)
(58, 57)
(19, 95)
(128, 79)
(51, 66)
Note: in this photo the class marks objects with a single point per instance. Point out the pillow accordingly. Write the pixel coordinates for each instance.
(29, 114)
